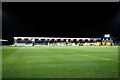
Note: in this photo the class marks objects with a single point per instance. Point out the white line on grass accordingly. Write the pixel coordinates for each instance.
(100, 58)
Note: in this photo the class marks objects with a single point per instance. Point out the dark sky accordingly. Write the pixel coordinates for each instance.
(60, 19)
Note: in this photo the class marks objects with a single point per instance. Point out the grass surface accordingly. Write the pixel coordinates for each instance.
(60, 62)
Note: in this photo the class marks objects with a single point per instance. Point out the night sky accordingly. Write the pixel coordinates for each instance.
(67, 19)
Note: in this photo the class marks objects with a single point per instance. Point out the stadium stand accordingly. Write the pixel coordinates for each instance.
(56, 41)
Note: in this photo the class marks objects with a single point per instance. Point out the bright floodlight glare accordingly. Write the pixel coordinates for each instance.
(107, 35)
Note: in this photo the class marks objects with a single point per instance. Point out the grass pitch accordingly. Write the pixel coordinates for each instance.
(60, 62)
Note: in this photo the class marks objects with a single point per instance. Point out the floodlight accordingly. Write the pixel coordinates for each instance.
(107, 35)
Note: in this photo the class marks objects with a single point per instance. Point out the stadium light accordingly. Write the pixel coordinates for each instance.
(106, 35)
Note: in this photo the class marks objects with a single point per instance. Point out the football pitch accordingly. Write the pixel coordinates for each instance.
(60, 62)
